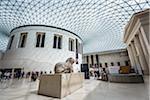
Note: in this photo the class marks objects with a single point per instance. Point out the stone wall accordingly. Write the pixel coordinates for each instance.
(108, 57)
(31, 58)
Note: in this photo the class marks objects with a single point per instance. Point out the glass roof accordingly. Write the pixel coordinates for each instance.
(100, 23)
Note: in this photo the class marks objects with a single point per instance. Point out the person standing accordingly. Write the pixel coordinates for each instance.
(7, 75)
(22, 74)
(0, 76)
(100, 72)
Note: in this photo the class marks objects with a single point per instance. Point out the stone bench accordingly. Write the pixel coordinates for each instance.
(125, 78)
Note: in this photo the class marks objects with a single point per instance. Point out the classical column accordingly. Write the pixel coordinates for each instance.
(141, 55)
(137, 64)
(144, 37)
(89, 57)
(131, 55)
(143, 47)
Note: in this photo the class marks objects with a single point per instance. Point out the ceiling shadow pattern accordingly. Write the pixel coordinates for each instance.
(100, 23)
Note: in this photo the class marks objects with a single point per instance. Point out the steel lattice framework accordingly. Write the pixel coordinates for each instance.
(100, 23)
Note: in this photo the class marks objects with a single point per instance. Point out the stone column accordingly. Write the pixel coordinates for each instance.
(143, 47)
(89, 60)
(131, 56)
(137, 64)
(141, 55)
(144, 37)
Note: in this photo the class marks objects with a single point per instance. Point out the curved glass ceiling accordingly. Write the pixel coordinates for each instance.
(100, 23)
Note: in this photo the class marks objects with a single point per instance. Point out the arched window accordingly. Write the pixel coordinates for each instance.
(22, 41)
(71, 44)
(40, 39)
(10, 42)
(57, 41)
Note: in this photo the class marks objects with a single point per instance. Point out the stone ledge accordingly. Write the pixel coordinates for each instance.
(60, 85)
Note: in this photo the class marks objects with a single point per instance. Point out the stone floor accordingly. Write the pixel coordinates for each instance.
(92, 90)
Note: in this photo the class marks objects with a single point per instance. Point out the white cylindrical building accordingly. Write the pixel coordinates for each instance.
(40, 47)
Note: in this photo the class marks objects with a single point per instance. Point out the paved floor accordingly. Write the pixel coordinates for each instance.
(92, 90)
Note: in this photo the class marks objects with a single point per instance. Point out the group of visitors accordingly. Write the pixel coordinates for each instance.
(35, 75)
(104, 74)
(7, 75)
(99, 73)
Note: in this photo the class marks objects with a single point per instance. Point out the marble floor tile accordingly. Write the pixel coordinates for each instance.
(92, 90)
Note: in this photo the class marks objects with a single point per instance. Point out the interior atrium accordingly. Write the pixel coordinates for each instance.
(74, 49)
